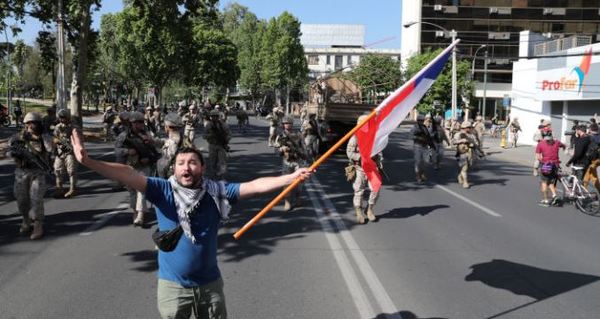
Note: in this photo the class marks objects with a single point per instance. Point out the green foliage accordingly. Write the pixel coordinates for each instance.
(441, 90)
(377, 75)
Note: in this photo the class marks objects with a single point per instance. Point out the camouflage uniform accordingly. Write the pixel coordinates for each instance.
(465, 143)
(65, 159)
(479, 128)
(217, 135)
(141, 165)
(359, 185)
(421, 148)
(108, 119)
(30, 180)
(311, 137)
(274, 118)
(242, 118)
(190, 121)
(170, 145)
(293, 151)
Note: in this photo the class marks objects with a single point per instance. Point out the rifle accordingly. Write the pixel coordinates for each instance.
(285, 139)
(382, 171)
(64, 145)
(425, 135)
(144, 150)
(20, 150)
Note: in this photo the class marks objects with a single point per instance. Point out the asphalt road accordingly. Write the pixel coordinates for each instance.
(437, 251)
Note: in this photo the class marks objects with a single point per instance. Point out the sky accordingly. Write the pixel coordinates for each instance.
(381, 18)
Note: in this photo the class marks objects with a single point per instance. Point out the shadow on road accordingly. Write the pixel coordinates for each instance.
(147, 260)
(406, 212)
(519, 279)
(404, 315)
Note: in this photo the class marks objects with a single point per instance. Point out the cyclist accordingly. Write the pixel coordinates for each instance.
(547, 154)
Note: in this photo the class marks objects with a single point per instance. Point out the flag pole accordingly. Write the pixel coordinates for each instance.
(297, 181)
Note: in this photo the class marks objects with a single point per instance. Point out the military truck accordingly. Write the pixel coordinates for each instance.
(337, 103)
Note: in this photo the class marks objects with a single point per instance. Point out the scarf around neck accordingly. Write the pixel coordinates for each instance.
(186, 201)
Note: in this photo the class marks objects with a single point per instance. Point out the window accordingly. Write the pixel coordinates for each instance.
(313, 59)
(328, 59)
(349, 60)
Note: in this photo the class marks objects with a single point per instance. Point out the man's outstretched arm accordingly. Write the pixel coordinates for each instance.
(268, 184)
(115, 171)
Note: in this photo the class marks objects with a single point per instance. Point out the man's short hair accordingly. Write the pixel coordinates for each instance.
(594, 127)
(185, 150)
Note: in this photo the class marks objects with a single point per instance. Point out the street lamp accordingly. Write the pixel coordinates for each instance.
(452, 34)
(473, 63)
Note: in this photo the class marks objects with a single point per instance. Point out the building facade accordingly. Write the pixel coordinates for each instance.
(497, 25)
(333, 47)
(561, 86)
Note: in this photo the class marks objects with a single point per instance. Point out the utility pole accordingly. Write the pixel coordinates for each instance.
(60, 76)
(485, 64)
(9, 66)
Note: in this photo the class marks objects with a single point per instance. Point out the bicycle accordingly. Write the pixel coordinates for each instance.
(571, 190)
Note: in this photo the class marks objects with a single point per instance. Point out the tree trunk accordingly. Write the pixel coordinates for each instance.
(79, 74)
(287, 100)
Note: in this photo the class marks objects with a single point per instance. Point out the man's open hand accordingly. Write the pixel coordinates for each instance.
(78, 148)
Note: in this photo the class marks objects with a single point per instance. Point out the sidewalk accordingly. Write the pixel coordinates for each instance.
(522, 154)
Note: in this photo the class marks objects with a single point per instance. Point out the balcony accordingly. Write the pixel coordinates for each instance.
(561, 44)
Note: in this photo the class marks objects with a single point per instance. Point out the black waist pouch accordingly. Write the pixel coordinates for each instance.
(167, 240)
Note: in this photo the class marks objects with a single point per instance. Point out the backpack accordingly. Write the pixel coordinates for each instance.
(547, 168)
(593, 150)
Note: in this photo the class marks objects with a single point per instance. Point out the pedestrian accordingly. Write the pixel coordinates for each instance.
(18, 113)
(593, 154)
(439, 136)
(171, 144)
(292, 150)
(422, 143)
(189, 279)
(581, 143)
(479, 129)
(537, 137)
(242, 118)
(515, 128)
(465, 142)
(359, 180)
(64, 162)
(137, 147)
(108, 118)
(31, 149)
(547, 154)
(217, 135)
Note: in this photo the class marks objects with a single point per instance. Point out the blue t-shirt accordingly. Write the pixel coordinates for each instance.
(189, 264)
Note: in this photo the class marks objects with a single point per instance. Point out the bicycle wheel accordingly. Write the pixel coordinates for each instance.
(588, 202)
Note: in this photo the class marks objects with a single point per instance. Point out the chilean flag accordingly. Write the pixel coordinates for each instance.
(373, 136)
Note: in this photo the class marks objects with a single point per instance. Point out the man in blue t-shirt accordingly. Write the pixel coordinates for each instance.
(188, 276)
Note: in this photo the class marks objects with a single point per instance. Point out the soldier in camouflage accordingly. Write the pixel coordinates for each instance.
(291, 147)
(360, 183)
(108, 119)
(217, 135)
(274, 119)
(311, 136)
(190, 121)
(465, 142)
(170, 145)
(49, 120)
(31, 149)
(242, 118)
(138, 149)
(64, 161)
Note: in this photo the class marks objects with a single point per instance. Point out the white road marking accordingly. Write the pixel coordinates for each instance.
(358, 294)
(468, 201)
(108, 216)
(379, 292)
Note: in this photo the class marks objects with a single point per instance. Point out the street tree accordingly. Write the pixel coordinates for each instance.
(377, 76)
(441, 90)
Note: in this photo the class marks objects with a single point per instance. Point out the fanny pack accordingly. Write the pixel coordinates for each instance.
(167, 240)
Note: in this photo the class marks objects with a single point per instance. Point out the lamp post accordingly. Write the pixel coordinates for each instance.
(473, 62)
(452, 34)
(485, 64)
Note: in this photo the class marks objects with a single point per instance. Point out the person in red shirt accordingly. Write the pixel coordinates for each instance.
(547, 153)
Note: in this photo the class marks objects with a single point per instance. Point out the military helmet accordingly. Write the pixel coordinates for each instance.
(287, 120)
(108, 108)
(64, 113)
(466, 124)
(174, 119)
(32, 117)
(148, 108)
(214, 113)
(479, 118)
(136, 117)
(192, 107)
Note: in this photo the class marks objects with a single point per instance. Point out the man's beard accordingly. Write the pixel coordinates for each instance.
(196, 181)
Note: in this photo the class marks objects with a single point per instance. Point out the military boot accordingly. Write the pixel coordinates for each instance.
(71, 191)
(38, 230)
(25, 226)
(139, 219)
(59, 191)
(360, 217)
(371, 214)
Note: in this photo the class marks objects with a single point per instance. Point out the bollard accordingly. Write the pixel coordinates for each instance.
(503, 139)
